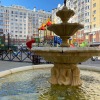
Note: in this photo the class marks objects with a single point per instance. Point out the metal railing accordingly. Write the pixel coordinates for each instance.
(21, 56)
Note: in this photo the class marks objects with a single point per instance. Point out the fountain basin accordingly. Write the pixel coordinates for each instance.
(65, 70)
(31, 84)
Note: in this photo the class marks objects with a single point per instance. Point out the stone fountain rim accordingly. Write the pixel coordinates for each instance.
(66, 24)
(66, 49)
(43, 66)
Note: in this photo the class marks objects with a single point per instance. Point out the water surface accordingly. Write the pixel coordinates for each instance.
(34, 85)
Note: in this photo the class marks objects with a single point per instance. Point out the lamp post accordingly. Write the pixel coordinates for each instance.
(16, 39)
(8, 40)
(38, 38)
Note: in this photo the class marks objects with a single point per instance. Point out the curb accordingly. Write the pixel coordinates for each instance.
(43, 66)
(90, 68)
(19, 69)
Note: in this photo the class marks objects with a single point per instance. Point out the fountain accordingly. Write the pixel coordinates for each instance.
(65, 58)
(30, 82)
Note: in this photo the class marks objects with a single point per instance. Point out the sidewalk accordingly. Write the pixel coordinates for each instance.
(6, 65)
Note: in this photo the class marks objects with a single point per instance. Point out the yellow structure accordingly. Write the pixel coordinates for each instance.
(44, 34)
(95, 15)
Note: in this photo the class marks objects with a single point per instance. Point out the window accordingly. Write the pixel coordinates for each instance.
(15, 19)
(16, 12)
(87, 27)
(24, 13)
(87, 14)
(94, 5)
(94, 12)
(87, 20)
(94, 18)
(87, 7)
(20, 31)
(94, 25)
(20, 13)
(20, 35)
(12, 12)
(20, 16)
(87, 1)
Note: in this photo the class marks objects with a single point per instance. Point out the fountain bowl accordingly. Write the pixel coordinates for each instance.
(66, 55)
(68, 29)
(65, 12)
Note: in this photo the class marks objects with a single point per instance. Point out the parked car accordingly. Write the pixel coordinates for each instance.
(94, 58)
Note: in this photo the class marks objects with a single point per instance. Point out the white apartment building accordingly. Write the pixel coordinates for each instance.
(21, 23)
(56, 19)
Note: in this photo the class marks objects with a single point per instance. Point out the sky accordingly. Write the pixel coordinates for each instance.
(46, 5)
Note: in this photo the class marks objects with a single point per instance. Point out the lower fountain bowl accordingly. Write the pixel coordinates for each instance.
(66, 54)
(31, 84)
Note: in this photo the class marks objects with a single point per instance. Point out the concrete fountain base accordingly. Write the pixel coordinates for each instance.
(34, 83)
(53, 69)
(65, 74)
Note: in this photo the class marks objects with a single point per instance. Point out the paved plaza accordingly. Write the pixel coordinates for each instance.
(5, 65)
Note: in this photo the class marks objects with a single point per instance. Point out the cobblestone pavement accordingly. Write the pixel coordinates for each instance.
(5, 65)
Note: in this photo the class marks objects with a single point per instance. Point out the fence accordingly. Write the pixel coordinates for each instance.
(21, 56)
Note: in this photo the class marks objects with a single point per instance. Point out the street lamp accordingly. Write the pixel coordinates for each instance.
(8, 41)
(8, 38)
(16, 39)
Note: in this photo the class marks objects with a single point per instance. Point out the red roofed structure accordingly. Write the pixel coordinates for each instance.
(48, 23)
(42, 28)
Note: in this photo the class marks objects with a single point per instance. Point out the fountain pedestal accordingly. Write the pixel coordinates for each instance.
(65, 41)
(65, 74)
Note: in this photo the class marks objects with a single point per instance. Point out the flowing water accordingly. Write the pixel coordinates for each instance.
(34, 85)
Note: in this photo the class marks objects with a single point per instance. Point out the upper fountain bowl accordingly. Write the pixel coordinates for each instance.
(65, 14)
(65, 29)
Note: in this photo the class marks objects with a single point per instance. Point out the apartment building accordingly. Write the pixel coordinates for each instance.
(21, 23)
(56, 19)
(95, 20)
(87, 12)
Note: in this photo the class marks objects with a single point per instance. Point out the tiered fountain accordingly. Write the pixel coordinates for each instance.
(65, 58)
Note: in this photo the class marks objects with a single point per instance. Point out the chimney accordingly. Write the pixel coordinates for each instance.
(34, 9)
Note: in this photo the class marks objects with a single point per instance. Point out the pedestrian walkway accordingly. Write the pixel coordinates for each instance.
(6, 65)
